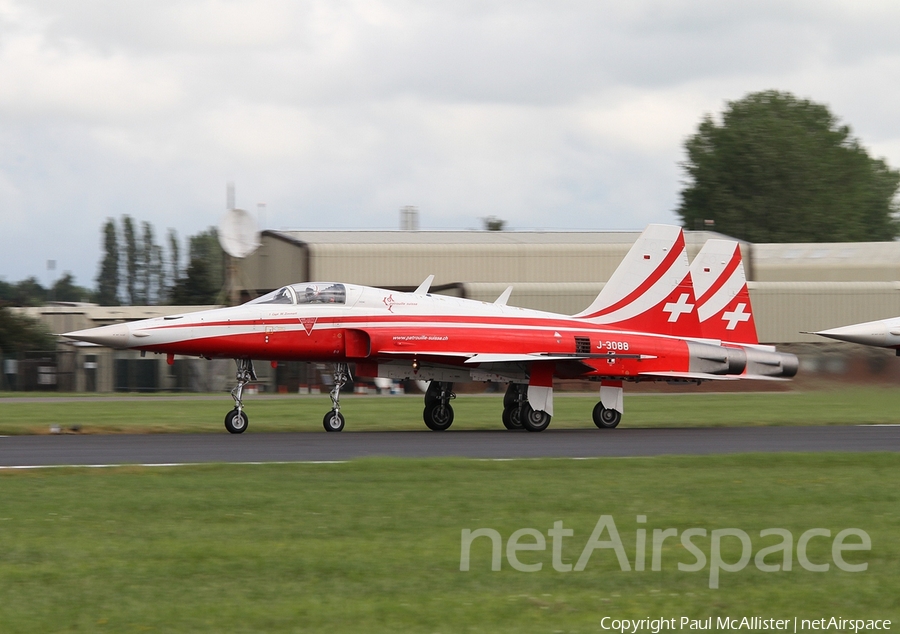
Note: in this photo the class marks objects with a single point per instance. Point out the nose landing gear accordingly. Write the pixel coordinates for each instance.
(334, 420)
(236, 420)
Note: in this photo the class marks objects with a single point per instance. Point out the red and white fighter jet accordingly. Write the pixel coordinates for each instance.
(647, 324)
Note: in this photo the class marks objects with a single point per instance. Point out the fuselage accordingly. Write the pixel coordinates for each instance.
(328, 322)
(883, 333)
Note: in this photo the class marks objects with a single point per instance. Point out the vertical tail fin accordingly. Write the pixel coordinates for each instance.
(723, 301)
(651, 290)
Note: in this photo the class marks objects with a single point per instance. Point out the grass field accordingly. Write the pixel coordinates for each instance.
(304, 413)
(374, 545)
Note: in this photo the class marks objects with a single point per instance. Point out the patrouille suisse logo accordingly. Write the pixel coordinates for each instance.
(308, 323)
(390, 302)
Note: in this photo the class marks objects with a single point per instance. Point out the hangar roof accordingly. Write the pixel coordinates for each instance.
(474, 237)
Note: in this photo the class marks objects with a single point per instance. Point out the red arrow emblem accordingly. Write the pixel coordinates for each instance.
(308, 323)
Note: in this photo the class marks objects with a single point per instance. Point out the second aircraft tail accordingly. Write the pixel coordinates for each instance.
(723, 301)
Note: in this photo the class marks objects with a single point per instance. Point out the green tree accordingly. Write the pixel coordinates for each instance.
(108, 278)
(20, 334)
(28, 292)
(493, 223)
(205, 246)
(65, 290)
(782, 169)
(132, 258)
(6, 291)
(174, 263)
(152, 281)
(197, 287)
(205, 274)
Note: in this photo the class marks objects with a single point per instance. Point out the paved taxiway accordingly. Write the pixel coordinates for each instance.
(74, 449)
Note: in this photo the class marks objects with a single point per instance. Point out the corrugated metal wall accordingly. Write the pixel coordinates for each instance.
(784, 309)
(566, 298)
(826, 262)
(409, 264)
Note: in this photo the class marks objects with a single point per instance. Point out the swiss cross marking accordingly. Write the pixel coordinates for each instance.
(675, 309)
(736, 316)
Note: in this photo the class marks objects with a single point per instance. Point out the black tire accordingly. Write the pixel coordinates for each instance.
(438, 417)
(605, 418)
(511, 419)
(236, 422)
(533, 420)
(333, 421)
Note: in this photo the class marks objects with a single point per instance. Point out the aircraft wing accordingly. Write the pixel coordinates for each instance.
(425, 353)
(540, 356)
(689, 376)
(528, 357)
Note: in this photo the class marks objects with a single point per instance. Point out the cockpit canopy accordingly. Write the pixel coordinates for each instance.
(308, 293)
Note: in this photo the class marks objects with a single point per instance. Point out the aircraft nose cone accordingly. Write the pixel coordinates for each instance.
(114, 336)
(871, 333)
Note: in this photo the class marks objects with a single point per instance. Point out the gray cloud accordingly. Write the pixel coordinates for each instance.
(335, 114)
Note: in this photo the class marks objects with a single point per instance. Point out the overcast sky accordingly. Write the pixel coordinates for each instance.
(550, 115)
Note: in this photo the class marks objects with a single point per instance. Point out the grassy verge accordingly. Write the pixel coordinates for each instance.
(152, 414)
(374, 545)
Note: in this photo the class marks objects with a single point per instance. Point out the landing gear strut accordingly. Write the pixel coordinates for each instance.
(438, 414)
(236, 420)
(516, 396)
(334, 420)
(608, 412)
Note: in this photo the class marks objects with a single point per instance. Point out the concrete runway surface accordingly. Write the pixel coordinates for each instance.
(158, 449)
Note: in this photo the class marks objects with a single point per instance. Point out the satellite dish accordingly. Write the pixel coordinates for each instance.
(238, 233)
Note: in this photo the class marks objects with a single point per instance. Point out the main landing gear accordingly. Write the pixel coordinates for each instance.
(334, 420)
(605, 418)
(236, 420)
(518, 413)
(608, 412)
(513, 400)
(438, 414)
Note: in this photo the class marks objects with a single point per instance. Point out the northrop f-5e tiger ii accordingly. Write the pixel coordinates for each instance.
(647, 324)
